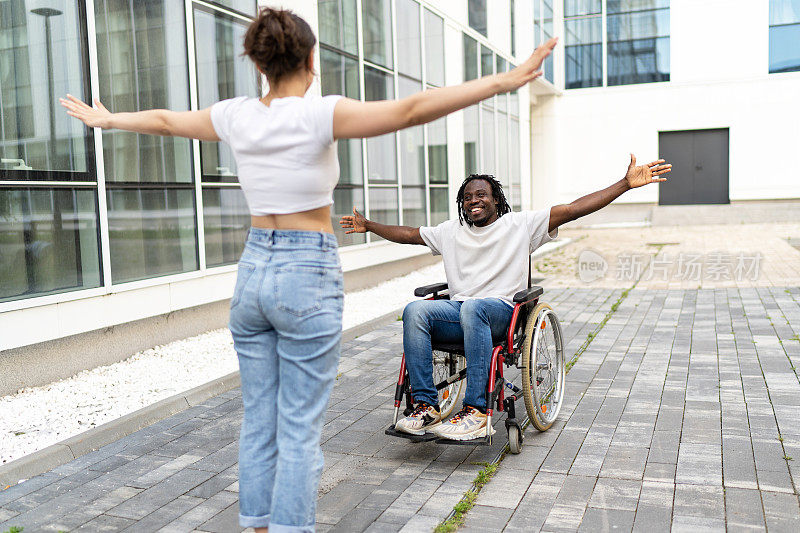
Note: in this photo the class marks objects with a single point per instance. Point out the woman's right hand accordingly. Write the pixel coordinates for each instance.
(94, 117)
(529, 70)
(355, 223)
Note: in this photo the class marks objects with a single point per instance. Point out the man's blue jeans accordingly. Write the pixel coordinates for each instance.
(286, 321)
(473, 322)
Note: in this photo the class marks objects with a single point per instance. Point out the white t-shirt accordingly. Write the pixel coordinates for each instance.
(492, 261)
(285, 153)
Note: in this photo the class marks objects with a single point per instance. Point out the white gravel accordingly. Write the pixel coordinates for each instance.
(37, 417)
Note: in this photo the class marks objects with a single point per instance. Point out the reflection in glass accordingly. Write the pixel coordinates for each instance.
(487, 143)
(487, 61)
(247, 7)
(784, 35)
(573, 8)
(141, 50)
(470, 58)
(434, 49)
(476, 13)
(48, 242)
(344, 200)
(547, 33)
(226, 220)
(383, 202)
(471, 132)
(222, 72)
(409, 45)
(41, 59)
(340, 76)
(338, 25)
(583, 52)
(437, 151)
(152, 232)
(412, 157)
(377, 29)
(439, 205)
(381, 151)
(638, 42)
(414, 206)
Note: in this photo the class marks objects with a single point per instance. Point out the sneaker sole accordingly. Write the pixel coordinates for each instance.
(420, 431)
(477, 433)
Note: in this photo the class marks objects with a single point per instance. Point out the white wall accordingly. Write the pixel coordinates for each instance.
(719, 79)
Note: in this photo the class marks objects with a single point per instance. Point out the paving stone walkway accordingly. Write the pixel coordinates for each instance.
(681, 414)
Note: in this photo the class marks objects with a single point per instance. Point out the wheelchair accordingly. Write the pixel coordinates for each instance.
(533, 343)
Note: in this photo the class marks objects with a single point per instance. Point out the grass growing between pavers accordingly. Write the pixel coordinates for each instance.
(467, 502)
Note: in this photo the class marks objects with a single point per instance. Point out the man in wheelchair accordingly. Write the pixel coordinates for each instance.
(486, 259)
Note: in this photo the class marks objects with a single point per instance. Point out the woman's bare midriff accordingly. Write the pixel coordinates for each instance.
(313, 220)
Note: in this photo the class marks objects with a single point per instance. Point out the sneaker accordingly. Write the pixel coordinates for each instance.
(421, 419)
(467, 424)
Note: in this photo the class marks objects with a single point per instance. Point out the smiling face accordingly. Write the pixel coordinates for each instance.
(479, 205)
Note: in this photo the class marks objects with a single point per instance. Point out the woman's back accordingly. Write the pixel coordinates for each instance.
(285, 152)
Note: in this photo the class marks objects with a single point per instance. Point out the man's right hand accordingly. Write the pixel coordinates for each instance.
(355, 223)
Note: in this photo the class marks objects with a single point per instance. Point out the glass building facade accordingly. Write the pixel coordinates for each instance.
(85, 210)
(784, 35)
(635, 42)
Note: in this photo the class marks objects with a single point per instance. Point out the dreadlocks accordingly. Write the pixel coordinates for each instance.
(497, 193)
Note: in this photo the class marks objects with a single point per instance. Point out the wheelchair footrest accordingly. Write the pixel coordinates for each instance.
(480, 441)
(427, 437)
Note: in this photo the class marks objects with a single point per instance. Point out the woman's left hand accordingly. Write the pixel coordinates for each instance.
(94, 117)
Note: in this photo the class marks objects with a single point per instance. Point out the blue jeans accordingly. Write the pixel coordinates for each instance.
(473, 322)
(286, 321)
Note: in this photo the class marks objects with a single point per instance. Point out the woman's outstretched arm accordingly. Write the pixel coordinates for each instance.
(353, 119)
(191, 124)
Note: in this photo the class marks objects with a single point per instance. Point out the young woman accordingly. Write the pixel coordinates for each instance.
(286, 310)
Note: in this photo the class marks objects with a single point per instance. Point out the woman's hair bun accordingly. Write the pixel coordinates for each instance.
(278, 42)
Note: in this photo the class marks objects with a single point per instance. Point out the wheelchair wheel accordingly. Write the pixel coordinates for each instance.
(514, 440)
(446, 364)
(543, 367)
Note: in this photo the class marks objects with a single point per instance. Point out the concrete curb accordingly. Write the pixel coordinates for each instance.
(65, 451)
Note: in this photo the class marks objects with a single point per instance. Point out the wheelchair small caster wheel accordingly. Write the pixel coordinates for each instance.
(514, 439)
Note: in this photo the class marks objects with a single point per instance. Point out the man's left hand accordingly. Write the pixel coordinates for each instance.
(644, 174)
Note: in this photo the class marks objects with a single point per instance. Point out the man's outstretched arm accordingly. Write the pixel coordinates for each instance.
(356, 223)
(636, 176)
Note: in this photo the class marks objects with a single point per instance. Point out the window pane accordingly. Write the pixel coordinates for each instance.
(247, 7)
(638, 25)
(381, 151)
(222, 72)
(377, 22)
(383, 207)
(470, 58)
(439, 205)
(547, 33)
(344, 200)
(638, 43)
(409, 45)
(581, 7)
(784, 12)
(784, 51)
(414, 206)
(152, 232)
(471, 131)
(141, 49)
(340, 76)
(48, 242)
(477, 15)
(434, 49)
(338, 24)
(487, 67)
(437, 151)
(487, 143)
(513, 103)
(583, 52)
(412, 158)
(502, 150)
(226, 220)
(42, 59)
(516, 175)
(621, 6)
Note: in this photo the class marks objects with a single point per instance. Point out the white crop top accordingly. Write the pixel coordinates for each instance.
(285, 153)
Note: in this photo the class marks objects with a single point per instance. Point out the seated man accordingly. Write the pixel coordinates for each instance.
(485, 254)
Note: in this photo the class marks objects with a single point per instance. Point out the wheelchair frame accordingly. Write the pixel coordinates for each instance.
(506, 353)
